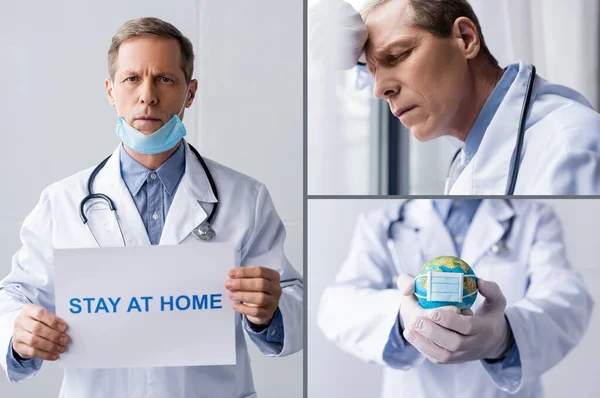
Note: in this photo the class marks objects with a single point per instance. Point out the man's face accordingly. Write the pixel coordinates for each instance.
(149, 84)
(423, 78)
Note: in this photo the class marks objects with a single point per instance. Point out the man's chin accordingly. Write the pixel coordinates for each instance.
(421, 134)
(147, 127)
(147, 132)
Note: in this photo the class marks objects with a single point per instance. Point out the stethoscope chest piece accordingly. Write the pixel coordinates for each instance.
(499, 248)
(204, 232)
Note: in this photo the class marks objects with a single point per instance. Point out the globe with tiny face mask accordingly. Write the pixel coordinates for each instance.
(446, 264)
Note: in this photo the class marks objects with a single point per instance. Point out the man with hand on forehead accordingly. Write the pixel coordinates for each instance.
(163, 192)
(428, 59)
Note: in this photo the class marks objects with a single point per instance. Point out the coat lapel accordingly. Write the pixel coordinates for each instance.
(487, 228)
(488, 170)
(433, 235)
(185, 212)
(110, 183)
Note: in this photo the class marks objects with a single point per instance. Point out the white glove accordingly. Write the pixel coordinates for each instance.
(336, 33)
(450, 337)
(410, 309)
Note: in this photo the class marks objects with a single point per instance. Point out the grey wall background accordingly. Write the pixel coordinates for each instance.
(333, 373)
(57, 120)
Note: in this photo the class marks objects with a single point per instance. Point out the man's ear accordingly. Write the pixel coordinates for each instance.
(467, 35)
(109, 91)
(193, 87)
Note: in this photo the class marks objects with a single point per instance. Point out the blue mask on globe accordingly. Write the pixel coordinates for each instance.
(446, 281)
(445, 286)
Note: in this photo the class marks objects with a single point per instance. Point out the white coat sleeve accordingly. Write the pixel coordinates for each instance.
(570, 173)
(574, 165)
(552, 317)
(265, 248)
(359, 311)
(30, 281)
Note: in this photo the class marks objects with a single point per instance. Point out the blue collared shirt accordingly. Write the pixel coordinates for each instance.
(475, 136)
(457, 216)
(153, 193)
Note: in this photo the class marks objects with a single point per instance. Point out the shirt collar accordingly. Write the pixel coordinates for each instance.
(489, 110)
(169, 173)
(467, 206)
(442, 207)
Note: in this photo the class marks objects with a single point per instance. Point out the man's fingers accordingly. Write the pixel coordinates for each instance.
(254, 285)
(467, 312)
(27, 352)
(406, 284)
(39, 343)
(43, 315)
(42, 330)
(438, 335)
(259, 299)
(463, 324)
(491, 291)
(410, 305)
(255, 312)
(255, 272)
(435, 353)
(409, 310)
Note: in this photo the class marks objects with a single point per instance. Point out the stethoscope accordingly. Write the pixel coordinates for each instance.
(515, 163)
(498, 249)
(204, 231)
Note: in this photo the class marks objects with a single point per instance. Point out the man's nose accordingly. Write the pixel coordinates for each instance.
(386, 83)
(148, 93)
(385, 88)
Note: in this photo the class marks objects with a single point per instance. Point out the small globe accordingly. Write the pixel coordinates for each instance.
(447, 264)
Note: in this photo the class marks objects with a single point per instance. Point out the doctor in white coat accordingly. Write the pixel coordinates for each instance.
(531, 311)
(429, 61)
(162, 193)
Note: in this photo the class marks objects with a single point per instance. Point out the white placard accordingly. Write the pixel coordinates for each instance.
(146, 306)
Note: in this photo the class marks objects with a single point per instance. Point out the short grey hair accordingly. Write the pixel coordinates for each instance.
(437, 17)
(148, 26)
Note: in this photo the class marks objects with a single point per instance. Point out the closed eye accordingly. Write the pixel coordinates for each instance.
(394, 59)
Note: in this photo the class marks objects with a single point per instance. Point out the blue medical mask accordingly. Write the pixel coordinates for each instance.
(446, 286)
(161, 140)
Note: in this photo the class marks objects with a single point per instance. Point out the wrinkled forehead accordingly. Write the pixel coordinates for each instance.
(149, 52)
(389, 21)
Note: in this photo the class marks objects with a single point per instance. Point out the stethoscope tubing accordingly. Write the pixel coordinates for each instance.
(498, 249)
(516, 160)
(205, 226)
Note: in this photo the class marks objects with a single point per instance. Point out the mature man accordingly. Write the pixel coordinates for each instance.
(163, 192)
(430, 62)
(532, 308)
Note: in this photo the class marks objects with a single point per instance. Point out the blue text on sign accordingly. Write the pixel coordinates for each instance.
(93, 305)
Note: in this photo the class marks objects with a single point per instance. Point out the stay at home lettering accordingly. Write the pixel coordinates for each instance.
(95, 305)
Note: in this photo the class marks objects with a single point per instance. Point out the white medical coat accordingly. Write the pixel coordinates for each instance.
(246, 218)
(548, 306)
(561, 149)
